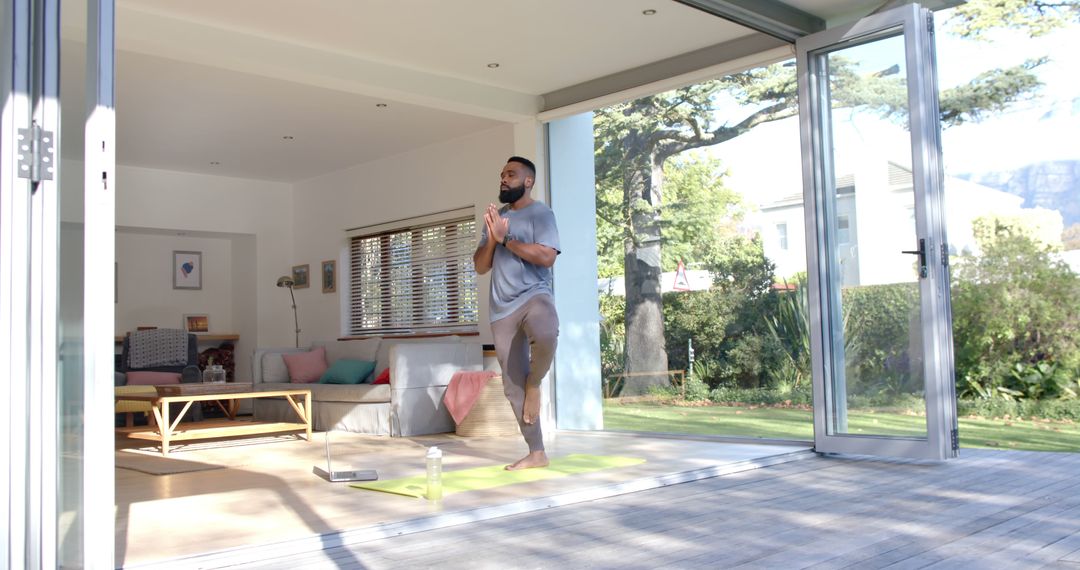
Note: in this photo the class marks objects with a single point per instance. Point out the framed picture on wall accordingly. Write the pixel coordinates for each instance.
(329, 276)
(197, 323)
(187, 269)
(300, 276)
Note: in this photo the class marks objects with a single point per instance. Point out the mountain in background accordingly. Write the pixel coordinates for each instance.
(1053, 184)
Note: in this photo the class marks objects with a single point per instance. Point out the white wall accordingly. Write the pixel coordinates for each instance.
(243, 227)
(145, 293)
(459, 173)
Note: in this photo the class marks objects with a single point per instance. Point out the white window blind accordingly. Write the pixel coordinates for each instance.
(416, 280)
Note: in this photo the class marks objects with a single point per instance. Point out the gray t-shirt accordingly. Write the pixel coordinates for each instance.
(514, 280)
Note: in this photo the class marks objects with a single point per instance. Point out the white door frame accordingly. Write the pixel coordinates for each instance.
(30, 275)
(99, 190)
(916, 25)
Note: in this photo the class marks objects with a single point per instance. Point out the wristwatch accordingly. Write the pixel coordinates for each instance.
(509, 236)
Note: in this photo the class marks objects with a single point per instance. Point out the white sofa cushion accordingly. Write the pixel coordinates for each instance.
(273, 368)
(358, 393)
(382, 360)
(362, 349)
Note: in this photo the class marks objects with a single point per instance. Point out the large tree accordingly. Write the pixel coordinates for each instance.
(634, 141)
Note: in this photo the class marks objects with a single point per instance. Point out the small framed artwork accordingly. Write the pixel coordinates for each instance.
(197, 323)
(187, 269)
(329, 276)
(300, 276)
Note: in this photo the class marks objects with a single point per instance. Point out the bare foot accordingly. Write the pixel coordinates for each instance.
(531, 410)
(533, 459)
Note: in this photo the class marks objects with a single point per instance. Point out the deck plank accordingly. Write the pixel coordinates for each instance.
(989, 509)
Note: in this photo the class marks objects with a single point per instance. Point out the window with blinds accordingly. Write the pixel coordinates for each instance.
(417, 280)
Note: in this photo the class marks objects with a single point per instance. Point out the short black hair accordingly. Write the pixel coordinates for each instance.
(525, 162)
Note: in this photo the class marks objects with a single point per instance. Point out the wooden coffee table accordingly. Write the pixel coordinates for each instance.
(227, 397)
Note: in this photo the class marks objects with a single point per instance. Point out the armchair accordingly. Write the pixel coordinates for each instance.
(188, 370)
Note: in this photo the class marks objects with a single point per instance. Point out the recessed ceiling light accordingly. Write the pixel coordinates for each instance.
(214, 163)
(381, 105)
(288, 137)
(493, 65)
(648, 12)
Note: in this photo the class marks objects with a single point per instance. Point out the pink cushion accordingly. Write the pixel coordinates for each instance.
(145, 378)
(306, 367)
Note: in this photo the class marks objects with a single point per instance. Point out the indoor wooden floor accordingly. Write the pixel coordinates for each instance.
(261, 501)
(989, 509)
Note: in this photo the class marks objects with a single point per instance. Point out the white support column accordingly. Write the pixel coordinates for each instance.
(529, 143)
(578, 399)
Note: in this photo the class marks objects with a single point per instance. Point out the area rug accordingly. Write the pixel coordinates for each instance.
(160, 465)
(497, 476)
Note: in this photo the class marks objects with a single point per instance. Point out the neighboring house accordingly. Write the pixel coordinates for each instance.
(875, 221)
(875, 207)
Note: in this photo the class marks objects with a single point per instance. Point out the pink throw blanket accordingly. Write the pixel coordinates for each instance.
(463, 391)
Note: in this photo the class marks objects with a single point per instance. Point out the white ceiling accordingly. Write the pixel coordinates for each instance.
(202, 81)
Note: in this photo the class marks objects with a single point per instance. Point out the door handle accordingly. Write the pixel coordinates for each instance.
(921, 252)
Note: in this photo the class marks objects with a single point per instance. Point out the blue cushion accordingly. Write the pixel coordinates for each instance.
(346, 371)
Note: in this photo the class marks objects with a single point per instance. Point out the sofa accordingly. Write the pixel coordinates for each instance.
(411, 404)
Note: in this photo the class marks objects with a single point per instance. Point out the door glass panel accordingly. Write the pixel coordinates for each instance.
(878, 384)
(70, 463)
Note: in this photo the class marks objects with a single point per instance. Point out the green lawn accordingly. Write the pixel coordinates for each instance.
(787, 423)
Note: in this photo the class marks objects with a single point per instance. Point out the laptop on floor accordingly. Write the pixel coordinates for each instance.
(342, 476)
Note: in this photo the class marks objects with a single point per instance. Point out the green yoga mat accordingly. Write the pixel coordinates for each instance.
(497, 476)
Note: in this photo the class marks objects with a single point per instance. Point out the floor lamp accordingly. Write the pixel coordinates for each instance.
(286, 281)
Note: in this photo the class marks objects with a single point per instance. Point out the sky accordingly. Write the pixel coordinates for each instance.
(1025, 133)
(768, 159)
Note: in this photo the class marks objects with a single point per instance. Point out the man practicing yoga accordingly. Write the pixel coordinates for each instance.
(518, 245)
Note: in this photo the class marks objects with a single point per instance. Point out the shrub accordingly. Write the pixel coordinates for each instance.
(727, 329)
(1014, 305)
(789, 327)
(612, 339)
(998, 408)
(802, 396)
(696, 390)
(881, 317)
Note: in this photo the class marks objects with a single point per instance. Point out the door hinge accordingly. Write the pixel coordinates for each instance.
(36, 158)
(955, 439)
(945, 255)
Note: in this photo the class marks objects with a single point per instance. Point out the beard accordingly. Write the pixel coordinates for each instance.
(508, 195)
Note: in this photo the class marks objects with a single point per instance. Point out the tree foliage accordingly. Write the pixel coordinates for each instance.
(648, 223)
(977, 19)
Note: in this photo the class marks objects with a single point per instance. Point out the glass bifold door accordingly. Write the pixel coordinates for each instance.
(873, 188)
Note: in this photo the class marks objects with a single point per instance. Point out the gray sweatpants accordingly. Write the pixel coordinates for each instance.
(525, 346)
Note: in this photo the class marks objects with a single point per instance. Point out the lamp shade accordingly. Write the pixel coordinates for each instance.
(285, 281)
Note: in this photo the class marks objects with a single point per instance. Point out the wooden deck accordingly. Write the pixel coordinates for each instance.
(989, 509)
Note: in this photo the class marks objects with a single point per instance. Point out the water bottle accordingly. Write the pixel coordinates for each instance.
(434, 474)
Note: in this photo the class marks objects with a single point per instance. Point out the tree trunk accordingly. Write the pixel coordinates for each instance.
(645, 346)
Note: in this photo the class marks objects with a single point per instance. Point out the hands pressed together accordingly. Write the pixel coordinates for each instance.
(497, 226)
